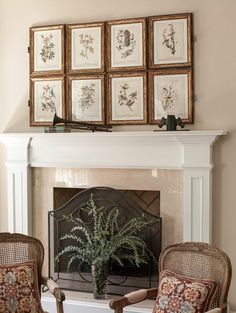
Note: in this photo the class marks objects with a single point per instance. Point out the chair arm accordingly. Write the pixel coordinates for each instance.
(56, 291)
(132, 298)
(216, 310)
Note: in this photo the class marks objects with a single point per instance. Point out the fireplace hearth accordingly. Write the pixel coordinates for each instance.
(130, 203)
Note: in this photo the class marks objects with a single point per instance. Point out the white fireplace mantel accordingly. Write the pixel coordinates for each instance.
(190, 151)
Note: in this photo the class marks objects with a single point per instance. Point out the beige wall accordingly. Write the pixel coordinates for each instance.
(215, 83)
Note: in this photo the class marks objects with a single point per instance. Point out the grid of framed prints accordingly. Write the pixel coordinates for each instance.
(119, 72)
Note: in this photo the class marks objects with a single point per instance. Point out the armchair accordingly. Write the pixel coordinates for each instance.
(17, 248)
(195, 260)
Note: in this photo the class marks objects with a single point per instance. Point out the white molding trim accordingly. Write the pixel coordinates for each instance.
(18, 184)
(190, 151)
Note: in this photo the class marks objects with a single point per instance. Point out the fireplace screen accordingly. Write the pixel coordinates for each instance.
(130, 203)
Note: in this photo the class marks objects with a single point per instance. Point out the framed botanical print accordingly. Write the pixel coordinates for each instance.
(86, 98)
(126, 46)
(171, 92)
(127, 98)
(85, 47)
(47, 98)
(170, 40)
(47, 55)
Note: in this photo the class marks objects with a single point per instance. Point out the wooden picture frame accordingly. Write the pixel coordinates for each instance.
(170, 40)
(86, 99)
(127, 98)
(47, 97)
(47, 50)
(126, 44)
(85, 48)
(171, 92)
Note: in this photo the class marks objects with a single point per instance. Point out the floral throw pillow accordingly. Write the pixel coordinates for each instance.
(178, 294)
(18, 289)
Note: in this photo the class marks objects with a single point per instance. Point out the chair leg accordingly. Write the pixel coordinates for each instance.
(59, 306)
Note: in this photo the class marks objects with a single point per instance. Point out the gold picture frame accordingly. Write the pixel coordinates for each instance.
(47, 50)
(170, 40)
(171, 92)
(86, 99)
(47, 97)
(127, 98)
(126, 44)
(85, 48)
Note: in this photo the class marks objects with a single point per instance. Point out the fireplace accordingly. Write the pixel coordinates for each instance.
(131, 203)
(177, 163)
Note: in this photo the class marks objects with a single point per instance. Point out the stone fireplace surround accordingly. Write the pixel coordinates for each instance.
(188, 151)
(169, 183)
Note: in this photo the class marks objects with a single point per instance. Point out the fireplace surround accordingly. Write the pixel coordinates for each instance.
(190, 151)
(48, 182)
(187, 151)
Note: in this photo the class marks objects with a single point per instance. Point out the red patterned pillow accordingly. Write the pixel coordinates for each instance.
(178, 294)
(18, 289)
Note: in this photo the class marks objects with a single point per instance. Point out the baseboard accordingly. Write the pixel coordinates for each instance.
(73, 306)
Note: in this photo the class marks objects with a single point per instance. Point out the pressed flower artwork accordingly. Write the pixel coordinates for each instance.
(171, 95)
(47, 51)
(87, 42)
(126, 44)
(47, 54)
(127, 99)
(47, 99)
(170, 40)
(86, 51)
(86, 98)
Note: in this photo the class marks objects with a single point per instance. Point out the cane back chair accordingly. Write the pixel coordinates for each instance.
(18, 248)
(192, 259)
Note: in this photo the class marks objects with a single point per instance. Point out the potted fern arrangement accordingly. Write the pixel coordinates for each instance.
(104, 241)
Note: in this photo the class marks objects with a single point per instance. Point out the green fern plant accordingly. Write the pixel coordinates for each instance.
(105, 240)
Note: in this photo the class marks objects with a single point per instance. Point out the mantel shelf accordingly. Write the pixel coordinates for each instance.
(118, 134)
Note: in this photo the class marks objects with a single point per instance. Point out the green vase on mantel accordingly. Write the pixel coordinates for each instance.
(100, 280)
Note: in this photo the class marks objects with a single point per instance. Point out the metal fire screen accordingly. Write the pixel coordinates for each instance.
(130, 203)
